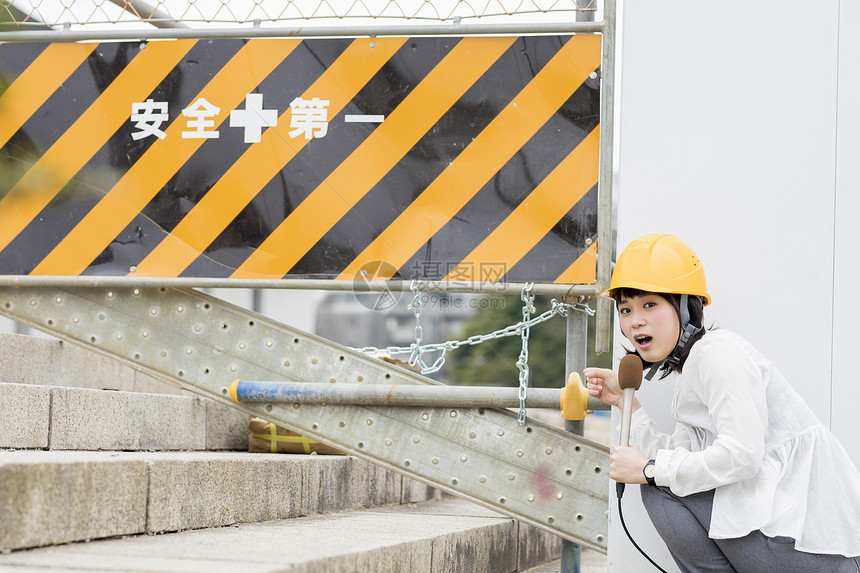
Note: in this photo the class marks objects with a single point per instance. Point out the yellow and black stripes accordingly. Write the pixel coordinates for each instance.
(36, 84)
(261, 163)
(60, 162)
(497, 144)
(153, 170)
(484, 166)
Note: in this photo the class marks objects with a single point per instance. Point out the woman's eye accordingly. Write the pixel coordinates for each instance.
(623, 310)
(649, 304)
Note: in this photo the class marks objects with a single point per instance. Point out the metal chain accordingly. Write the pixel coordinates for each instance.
(416, 355)
(418, 350)
(523, 361)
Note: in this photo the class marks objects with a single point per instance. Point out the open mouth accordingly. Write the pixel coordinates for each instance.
(643, 340)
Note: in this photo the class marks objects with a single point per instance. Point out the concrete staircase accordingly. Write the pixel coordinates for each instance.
(103, 468)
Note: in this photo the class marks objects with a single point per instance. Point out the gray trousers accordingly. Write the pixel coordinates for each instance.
(683, 523)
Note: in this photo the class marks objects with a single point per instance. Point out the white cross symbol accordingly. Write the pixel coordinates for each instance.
(253, 118)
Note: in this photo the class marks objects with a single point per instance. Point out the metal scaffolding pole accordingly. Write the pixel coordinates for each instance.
(604, 209)
(575, 357)
(392, 395)
(303, 32)
(94, 281)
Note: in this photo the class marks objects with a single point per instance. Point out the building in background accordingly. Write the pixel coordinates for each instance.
(360, 320)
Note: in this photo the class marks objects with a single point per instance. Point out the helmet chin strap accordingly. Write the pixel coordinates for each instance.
(689, 331)
(653, 370)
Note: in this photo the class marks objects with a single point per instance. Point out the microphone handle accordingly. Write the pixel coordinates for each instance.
(624, 440)
(626, 413)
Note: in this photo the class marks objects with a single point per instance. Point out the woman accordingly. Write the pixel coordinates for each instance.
(750, 480)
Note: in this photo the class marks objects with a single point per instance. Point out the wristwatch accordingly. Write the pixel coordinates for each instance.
(648, 470)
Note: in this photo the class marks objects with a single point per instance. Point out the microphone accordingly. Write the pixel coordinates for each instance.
(629, 378)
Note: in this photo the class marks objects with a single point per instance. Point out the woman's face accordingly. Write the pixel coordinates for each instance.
(651, 324)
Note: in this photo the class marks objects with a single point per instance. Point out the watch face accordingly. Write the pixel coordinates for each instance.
(649, 470)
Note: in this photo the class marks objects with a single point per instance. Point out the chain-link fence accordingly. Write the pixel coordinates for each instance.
(137, 14)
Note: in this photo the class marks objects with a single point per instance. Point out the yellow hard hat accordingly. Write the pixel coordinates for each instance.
(660, 263)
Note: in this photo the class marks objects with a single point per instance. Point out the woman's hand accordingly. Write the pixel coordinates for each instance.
(626, 464)
(602, 383)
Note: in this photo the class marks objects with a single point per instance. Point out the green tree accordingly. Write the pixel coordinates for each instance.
(493, 363)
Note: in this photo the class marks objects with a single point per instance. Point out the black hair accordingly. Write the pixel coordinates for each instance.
(697, 318)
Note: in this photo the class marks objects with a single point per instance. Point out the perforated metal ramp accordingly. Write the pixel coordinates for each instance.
(536, 473)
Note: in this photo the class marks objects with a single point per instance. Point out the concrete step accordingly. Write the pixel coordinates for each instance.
(51, 417)
(450, 536)
(49, 497)
(41, 362)
(35, 360)
(61, 418)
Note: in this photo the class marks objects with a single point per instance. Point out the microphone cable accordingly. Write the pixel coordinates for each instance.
(619, 491)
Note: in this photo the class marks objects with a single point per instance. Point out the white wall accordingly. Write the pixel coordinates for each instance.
(846, 275)
(738, 133)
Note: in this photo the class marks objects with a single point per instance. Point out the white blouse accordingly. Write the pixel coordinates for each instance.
(743, 431)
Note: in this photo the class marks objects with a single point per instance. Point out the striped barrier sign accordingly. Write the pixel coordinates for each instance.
(435, 158)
